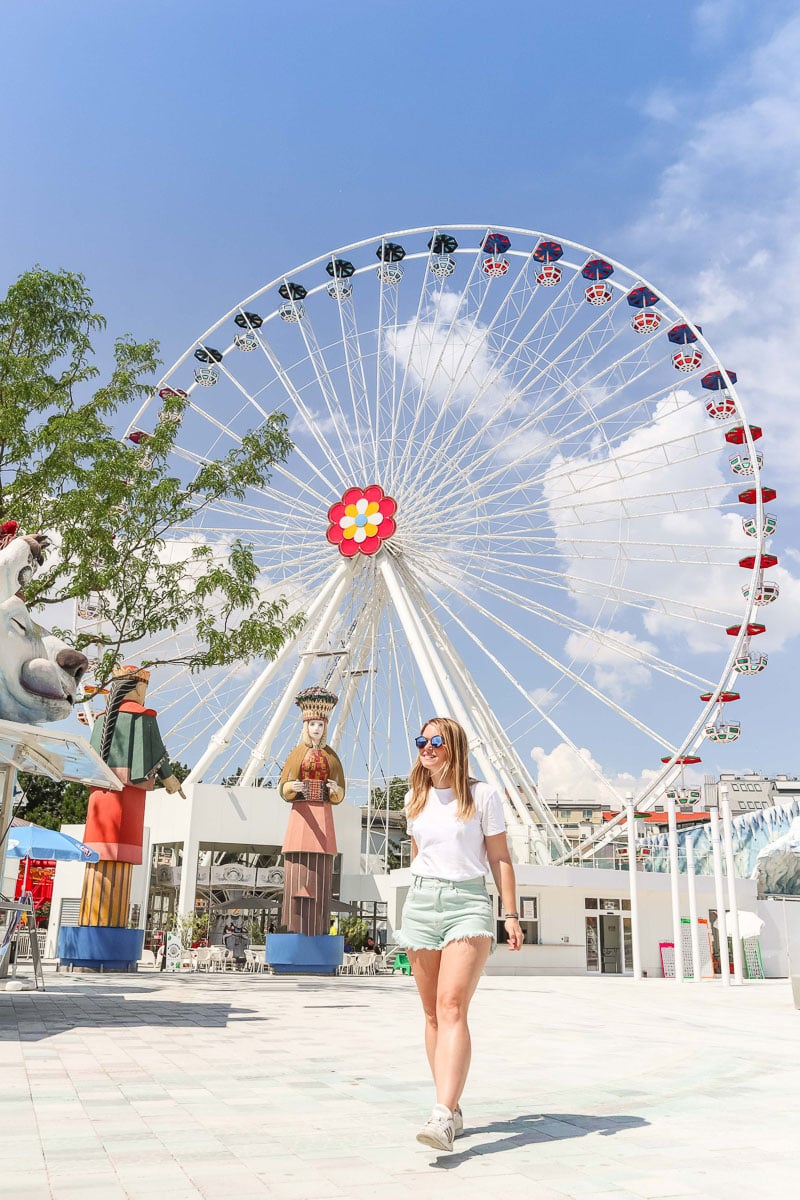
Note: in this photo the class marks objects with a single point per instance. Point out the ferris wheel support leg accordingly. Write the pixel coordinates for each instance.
(222, 737)
(445, 697)
(520, 788)
(261, 752)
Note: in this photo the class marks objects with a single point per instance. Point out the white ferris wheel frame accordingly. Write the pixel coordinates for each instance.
(447, 679)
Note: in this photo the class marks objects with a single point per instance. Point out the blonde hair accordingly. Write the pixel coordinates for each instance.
(455, 743)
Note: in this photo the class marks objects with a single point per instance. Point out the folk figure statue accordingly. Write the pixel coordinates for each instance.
(127, 739)
(312, 780)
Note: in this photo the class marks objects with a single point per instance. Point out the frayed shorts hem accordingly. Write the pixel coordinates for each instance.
(404, 944)
(440, 911)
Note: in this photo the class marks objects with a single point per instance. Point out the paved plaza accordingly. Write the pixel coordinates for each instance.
(302, 1089)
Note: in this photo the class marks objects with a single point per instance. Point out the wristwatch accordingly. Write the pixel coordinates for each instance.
(511, 916)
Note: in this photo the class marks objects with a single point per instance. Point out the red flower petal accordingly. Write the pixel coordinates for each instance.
(348, 547)
(387, 506)
(386, 528)
(370, 545)
(373, 492)
(335, 534)
(352, 496)
(336, 512)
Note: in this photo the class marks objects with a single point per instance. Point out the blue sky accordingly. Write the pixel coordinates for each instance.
(181, 154)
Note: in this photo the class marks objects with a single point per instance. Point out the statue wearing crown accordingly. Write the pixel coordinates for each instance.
(312, 780)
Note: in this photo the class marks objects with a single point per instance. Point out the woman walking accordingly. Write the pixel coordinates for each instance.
(458, 834)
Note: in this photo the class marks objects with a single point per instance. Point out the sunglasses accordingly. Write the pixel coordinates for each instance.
(436, 741)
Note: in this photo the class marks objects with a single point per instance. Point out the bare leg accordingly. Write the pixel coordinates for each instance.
(459, 971)
(425, 968)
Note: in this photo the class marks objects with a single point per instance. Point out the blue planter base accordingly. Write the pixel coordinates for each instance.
(98, 948)
(297, 954)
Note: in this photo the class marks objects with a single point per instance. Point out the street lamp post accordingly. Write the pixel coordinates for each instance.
(695, 933)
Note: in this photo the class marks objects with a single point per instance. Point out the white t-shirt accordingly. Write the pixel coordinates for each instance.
(451, 849)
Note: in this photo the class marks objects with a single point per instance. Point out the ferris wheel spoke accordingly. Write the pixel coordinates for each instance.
(531, 447)
(561, 667)
(470, 302)
(587, 588)
(520, 365)
(608, 639)
(545, 716)
(511, 311)
(331, 400)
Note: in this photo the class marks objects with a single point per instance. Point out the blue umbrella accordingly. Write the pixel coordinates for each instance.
(32, 841)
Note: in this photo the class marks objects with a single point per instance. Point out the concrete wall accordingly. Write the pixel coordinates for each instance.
(780, 937)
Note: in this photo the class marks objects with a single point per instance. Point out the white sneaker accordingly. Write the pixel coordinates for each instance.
(458, 1121)
(438, 1131)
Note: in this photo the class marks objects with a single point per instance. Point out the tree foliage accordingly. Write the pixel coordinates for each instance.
(398, 786)
(112, 508)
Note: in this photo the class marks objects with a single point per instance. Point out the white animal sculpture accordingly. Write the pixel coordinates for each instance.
(39, 674)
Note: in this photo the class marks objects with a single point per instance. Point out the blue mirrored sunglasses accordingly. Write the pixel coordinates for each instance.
(436, 741)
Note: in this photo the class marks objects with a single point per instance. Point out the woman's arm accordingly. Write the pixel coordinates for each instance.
(413, 849)
(502, 868)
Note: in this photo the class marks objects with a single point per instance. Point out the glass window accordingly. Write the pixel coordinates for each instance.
(611, 905)
(528, 919)
(627, 941)
(587, 814)
(735, 787)
(591, 902)
(592, 945)
(626, 904)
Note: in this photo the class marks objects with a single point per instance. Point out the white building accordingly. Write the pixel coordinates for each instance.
(577, 920)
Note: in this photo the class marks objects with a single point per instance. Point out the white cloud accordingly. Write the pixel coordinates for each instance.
(615, 673)
(562, 773)
(726, 208)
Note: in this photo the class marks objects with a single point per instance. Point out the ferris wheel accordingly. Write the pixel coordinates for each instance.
(523, 492)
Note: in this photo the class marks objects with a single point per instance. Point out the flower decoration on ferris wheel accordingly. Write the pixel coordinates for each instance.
(361, 521)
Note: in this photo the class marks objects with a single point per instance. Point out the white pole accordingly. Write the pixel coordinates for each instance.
(690, 879)
(727, 833)
(633, 882)
(722, 923)
(222, 737)
(674, 883)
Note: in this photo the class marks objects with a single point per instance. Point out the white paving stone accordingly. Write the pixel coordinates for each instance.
(312, 1089)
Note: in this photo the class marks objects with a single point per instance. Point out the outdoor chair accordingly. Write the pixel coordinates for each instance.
(400, 963)
(365, 963)
(201, 959)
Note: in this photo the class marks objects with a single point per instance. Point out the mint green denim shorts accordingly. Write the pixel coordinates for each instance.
(438, 911)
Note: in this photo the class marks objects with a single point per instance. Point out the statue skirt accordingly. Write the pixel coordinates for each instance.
(115, 824)
(310, 829)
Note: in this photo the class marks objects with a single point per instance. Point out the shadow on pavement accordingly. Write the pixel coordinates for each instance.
(529, 1128)
(50, 1014)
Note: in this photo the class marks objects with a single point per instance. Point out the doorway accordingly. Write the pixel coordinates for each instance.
(609, 949)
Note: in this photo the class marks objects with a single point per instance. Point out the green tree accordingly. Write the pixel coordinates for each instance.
(398, 786)
(110, 505)
(51, 803)
(355, 932)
